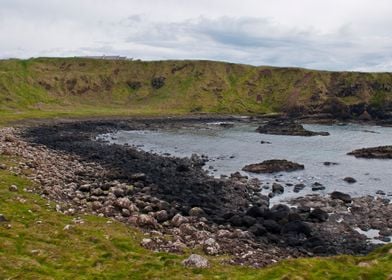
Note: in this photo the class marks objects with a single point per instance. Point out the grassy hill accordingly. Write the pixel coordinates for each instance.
(77, 86)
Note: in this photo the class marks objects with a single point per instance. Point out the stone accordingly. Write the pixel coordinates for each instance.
(211, 247)
(144, 220)
(162, 216)
(272, 226)
(272, 166)
(3, 218)
(196, 261)
(13, 188)
(381, 152)
(196, 212)
(297, 227)
(318, 215)
(341, 196)
(178, 220)
(257, 230)
(298, 187)
(85, 188)
(380, 192)
(3, 166)
(277, 188)
(255, 211)
(317, 187)
(138, 176)
(350, 180)
(287, 127)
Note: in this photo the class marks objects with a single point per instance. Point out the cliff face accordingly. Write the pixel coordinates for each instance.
(191, 86)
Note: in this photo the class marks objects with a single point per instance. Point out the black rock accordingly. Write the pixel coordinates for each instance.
(297, 227)
(341, 196)
(272, 226)
(257, 230)
(350, 180)
(236, 221)
(277, 188)
(248, 221)
(255, 211)
(317, 187)
(318, 215)
(298, 187)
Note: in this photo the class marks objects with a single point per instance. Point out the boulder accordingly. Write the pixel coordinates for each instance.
(196, 212)
(196, 261)
(350, 180)
(341, 196)
(272, 166)
(277, 188)
(287, 127)
(272, 226)
(318, 215)
(211, 247)
(178, 220)
(257, 230)
(297, 227)
(298, 187)
(161, 216)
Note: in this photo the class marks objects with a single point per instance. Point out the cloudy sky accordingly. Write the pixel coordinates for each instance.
(319, 34)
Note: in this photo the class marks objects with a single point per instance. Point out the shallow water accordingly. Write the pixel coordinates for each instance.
(230, 149)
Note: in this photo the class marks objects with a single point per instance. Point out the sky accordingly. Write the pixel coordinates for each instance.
(317, 34)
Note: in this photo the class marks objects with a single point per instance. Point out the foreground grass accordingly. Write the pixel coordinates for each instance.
(39, 243)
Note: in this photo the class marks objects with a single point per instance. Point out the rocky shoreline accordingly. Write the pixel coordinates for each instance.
(177, 204)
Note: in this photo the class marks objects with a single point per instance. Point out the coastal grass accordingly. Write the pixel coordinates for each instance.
(37, 242)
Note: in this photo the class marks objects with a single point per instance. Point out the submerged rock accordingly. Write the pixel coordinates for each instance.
(272, 166)
(287, 127)
(381, 152)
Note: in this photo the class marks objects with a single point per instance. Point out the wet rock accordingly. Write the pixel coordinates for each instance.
(318, 215)
(85, 188)
(211, 247)
(381, 152)
(380, 192)
(277, 188)
(287, 127)
(329, 163)
(350, 180)
(264, 142)
(196, 261)
(298, 187)
(272, 166)
(13, 188)
(317, 187)
(341, 196)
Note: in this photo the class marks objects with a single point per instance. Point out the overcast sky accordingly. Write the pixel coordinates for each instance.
(320, 34)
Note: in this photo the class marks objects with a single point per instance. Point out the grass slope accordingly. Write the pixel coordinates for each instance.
(47, 87)
(38, 245)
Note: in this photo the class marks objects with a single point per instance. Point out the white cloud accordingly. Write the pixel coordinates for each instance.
(335, 34)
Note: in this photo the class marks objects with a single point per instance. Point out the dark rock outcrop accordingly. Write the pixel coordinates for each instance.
(287, 127)
(381, 152)
(272, 166)
(341, 196)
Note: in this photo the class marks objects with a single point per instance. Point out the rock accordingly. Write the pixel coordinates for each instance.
(146, 242)
(248, 221)
(277, 188)
(297, 227)
(318, 215)
(255, 211)
(236, 221)
(125, 213)
(85, 188)
(158, 82)
(298, 187)
(196, 212)
(350, 180)
(279, 212)
(287, 127)
(138, 176)
(329, 163)
(123, 202)
(257, 230)
(144, 220)
(381, 152)
(317, 187)
(162, 216)
(118, 192)
(3, 166)
(178, 220)
(211, 247)
(272, 166)
(272, 226)
(95, 205)
(3, 218)
(13, 188)
(195, 261)
(9, 138)
(341, 196)
(380, 192)
(264, 142)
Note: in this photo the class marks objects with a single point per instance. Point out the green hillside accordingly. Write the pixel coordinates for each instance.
(76, 86)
